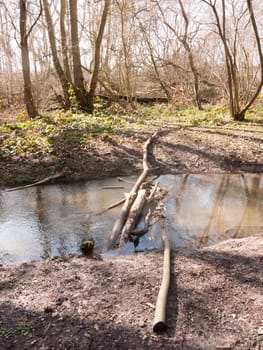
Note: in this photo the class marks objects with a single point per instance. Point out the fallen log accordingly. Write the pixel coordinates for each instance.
(46, 179)
(159, 322)
(133, 216)
(118, 226)
(140, 232)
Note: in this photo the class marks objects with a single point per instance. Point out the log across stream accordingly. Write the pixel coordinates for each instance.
(201, 209)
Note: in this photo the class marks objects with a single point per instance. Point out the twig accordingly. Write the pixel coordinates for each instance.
(124, 180)
(153, 191)
(114, 205)
(112, 187)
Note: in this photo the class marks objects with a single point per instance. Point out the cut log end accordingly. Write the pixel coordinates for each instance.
(159, 326)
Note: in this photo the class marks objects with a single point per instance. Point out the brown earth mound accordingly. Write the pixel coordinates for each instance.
(215, 301)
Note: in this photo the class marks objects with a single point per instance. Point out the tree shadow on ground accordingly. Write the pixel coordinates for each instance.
(81, 157)
(218, 160)
(201, 303)
(227, 134)
(24, 329)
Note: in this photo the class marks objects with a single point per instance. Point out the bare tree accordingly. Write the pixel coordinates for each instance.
(98, 41)
(237, 112)
(159, 78)
(24, 34)
(184, 39)
(260, 54)
(59, 70)
(63, 36)
(79, 87)
(124, 11)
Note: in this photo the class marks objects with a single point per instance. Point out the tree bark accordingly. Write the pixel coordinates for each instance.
(28, 96)
(79, 88)
(59, 70)
(95, 74)
(63, 38)
(188, 49)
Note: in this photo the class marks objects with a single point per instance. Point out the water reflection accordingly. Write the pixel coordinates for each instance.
(45, 221)
(201, 209)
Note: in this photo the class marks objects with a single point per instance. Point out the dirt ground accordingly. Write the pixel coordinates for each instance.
(178, 149)
(216, 294)
(215, 301)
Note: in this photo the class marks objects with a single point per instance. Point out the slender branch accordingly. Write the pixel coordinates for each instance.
(36, 20)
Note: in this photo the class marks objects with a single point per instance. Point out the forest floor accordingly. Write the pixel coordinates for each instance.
(215, 298)
(215, 301)
(82, 147)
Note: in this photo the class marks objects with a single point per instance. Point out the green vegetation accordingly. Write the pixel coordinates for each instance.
(6, 332)
(25, 329)
(24, 137)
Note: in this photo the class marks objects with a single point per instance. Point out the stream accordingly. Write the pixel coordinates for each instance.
(52, 220)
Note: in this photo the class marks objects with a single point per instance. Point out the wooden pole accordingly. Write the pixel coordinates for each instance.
(159, 322)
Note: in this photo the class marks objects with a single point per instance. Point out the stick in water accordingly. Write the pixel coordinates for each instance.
(46, 179)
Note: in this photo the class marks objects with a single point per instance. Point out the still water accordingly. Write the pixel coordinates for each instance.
(45, 221)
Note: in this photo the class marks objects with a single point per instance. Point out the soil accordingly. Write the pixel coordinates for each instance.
(215, 301)
(178, 149)
(215, 298)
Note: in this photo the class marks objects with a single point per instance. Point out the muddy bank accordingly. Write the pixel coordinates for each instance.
(178, 149)
(215, 301)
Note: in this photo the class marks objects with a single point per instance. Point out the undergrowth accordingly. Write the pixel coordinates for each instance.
(24, 137)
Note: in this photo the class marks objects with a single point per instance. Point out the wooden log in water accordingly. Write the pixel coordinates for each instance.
(133, 216)
(120, 222)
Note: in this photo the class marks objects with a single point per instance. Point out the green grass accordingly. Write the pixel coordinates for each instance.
(24, 329)
(26, 137)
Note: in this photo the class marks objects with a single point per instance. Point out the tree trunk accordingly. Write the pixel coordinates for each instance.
(237, 113)
(133, 216)
(59, 70)
(63, 36)
(239, 116)
(28, 96)
(95, 74)
(187, 47)
(260, 54)
(79, 88)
